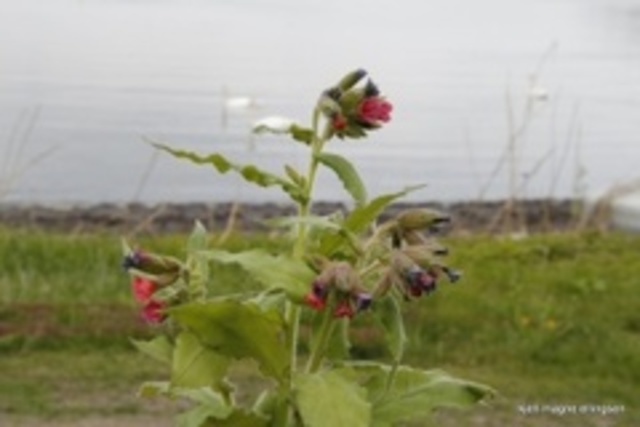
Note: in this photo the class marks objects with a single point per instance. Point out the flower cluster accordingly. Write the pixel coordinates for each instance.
(352, 111)
(416, 261)
(149, 274)
(404, 259)
(338, 286)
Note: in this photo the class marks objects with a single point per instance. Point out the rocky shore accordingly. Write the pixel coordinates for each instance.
(490, 216)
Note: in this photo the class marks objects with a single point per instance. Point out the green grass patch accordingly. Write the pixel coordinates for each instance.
(549, 319)
(77, 383)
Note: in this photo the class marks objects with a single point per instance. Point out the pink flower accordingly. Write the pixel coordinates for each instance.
(152, 311)
(315, 301)
(344, 309)
(374, 109)
(143, 288)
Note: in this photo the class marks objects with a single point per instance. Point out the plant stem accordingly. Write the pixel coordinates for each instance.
(292, 311)
(326, 330)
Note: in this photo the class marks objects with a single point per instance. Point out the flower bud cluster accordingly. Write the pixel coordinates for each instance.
(415, 262)
(351, 110)
(338, 288)
(151, 273)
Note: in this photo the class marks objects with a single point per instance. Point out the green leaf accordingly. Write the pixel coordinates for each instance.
(327, 399)
(238, 330)
(295, 176)
(271, 299)
(361, 218)
(198, 267)
(126, 249)
(266, 403)
(197, 264)
(301, 134)
(250, 173)
(196, 366)
(211, 405)
(273, 272)
(198, 239)
(414, 393)
(347, 174)
(393, 324)
(159, 348)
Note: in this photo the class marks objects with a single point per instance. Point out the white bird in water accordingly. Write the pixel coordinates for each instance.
(537, 92)
(241, 103)
(237, 104)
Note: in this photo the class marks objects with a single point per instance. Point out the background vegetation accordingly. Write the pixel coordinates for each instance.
(548, 319)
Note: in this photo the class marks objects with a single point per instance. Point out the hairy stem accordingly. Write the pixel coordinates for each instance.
(324, 334)
(292, 311)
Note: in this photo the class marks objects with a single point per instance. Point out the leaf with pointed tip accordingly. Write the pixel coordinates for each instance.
(327, 399)
(250, 173)
(158, 348)
(273, 272)
(295, 176)
(414, 393)
(301, 134)
(361, 218)
(126, 249)
(210, 405)
(238, 330)
(348, 175)
(195, 365)
(197, 264)
(198, 238)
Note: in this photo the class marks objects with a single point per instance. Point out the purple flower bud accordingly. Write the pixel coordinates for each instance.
(363, 301)
(371, 90)
(351, 79)
(419, 281)
(333, 93)
(319, 289)
(453, 275)
(428, 282)
(132, 260)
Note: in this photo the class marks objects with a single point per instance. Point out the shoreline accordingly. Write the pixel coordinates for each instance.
(534, 215)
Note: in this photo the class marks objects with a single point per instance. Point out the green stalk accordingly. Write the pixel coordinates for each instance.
(292, 311)
(326, 330)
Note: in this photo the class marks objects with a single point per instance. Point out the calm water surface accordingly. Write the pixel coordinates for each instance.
(82, 82)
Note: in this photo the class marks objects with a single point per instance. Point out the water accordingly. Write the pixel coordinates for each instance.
(83, 82)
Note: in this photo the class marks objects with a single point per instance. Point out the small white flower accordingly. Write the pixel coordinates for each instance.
(273, 124)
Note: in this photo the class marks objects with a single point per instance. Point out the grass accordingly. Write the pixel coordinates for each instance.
(546, 320)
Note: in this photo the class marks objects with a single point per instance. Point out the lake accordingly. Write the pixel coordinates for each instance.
(84, 82)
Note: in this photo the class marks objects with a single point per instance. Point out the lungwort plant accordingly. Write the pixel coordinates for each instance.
(338, 268)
